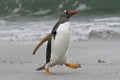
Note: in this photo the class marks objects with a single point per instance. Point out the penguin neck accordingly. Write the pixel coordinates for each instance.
(63, 20)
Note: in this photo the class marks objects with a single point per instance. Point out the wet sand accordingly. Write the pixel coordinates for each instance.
(100, 60)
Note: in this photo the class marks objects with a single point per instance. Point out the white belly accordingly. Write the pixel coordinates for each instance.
(60, 44)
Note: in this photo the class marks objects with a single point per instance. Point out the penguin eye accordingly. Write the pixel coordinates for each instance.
(65, 11)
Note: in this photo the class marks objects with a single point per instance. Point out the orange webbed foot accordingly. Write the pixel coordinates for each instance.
(48, 72)
(73, 66)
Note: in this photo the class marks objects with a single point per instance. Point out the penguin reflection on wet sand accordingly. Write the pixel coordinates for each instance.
(57, 45)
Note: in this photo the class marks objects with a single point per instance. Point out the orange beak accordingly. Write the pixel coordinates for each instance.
(74, 12)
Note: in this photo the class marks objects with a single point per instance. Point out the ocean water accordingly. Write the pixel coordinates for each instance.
(31, 20)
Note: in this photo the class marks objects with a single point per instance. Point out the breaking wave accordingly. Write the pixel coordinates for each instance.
(101, 28)
(31, 20)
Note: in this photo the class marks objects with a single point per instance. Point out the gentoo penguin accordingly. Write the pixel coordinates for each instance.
(58, 42)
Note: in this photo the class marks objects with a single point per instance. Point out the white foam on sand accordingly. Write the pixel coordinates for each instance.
(99, 61)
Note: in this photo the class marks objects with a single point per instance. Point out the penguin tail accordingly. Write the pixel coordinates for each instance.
(41, 68)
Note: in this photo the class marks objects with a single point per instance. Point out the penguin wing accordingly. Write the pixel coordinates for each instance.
(41, 42)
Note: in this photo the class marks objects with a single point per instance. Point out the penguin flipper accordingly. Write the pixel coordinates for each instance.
(41, 42)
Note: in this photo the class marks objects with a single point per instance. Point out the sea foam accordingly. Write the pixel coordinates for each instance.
(96, 28)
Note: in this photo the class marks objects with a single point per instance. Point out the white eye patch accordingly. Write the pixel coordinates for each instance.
(65, 11)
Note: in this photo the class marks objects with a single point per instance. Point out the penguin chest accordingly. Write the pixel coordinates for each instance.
(61, 41)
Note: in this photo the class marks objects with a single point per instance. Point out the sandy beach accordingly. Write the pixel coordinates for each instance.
(99, 60)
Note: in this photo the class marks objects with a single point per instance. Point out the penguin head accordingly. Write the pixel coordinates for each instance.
(68, 14)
